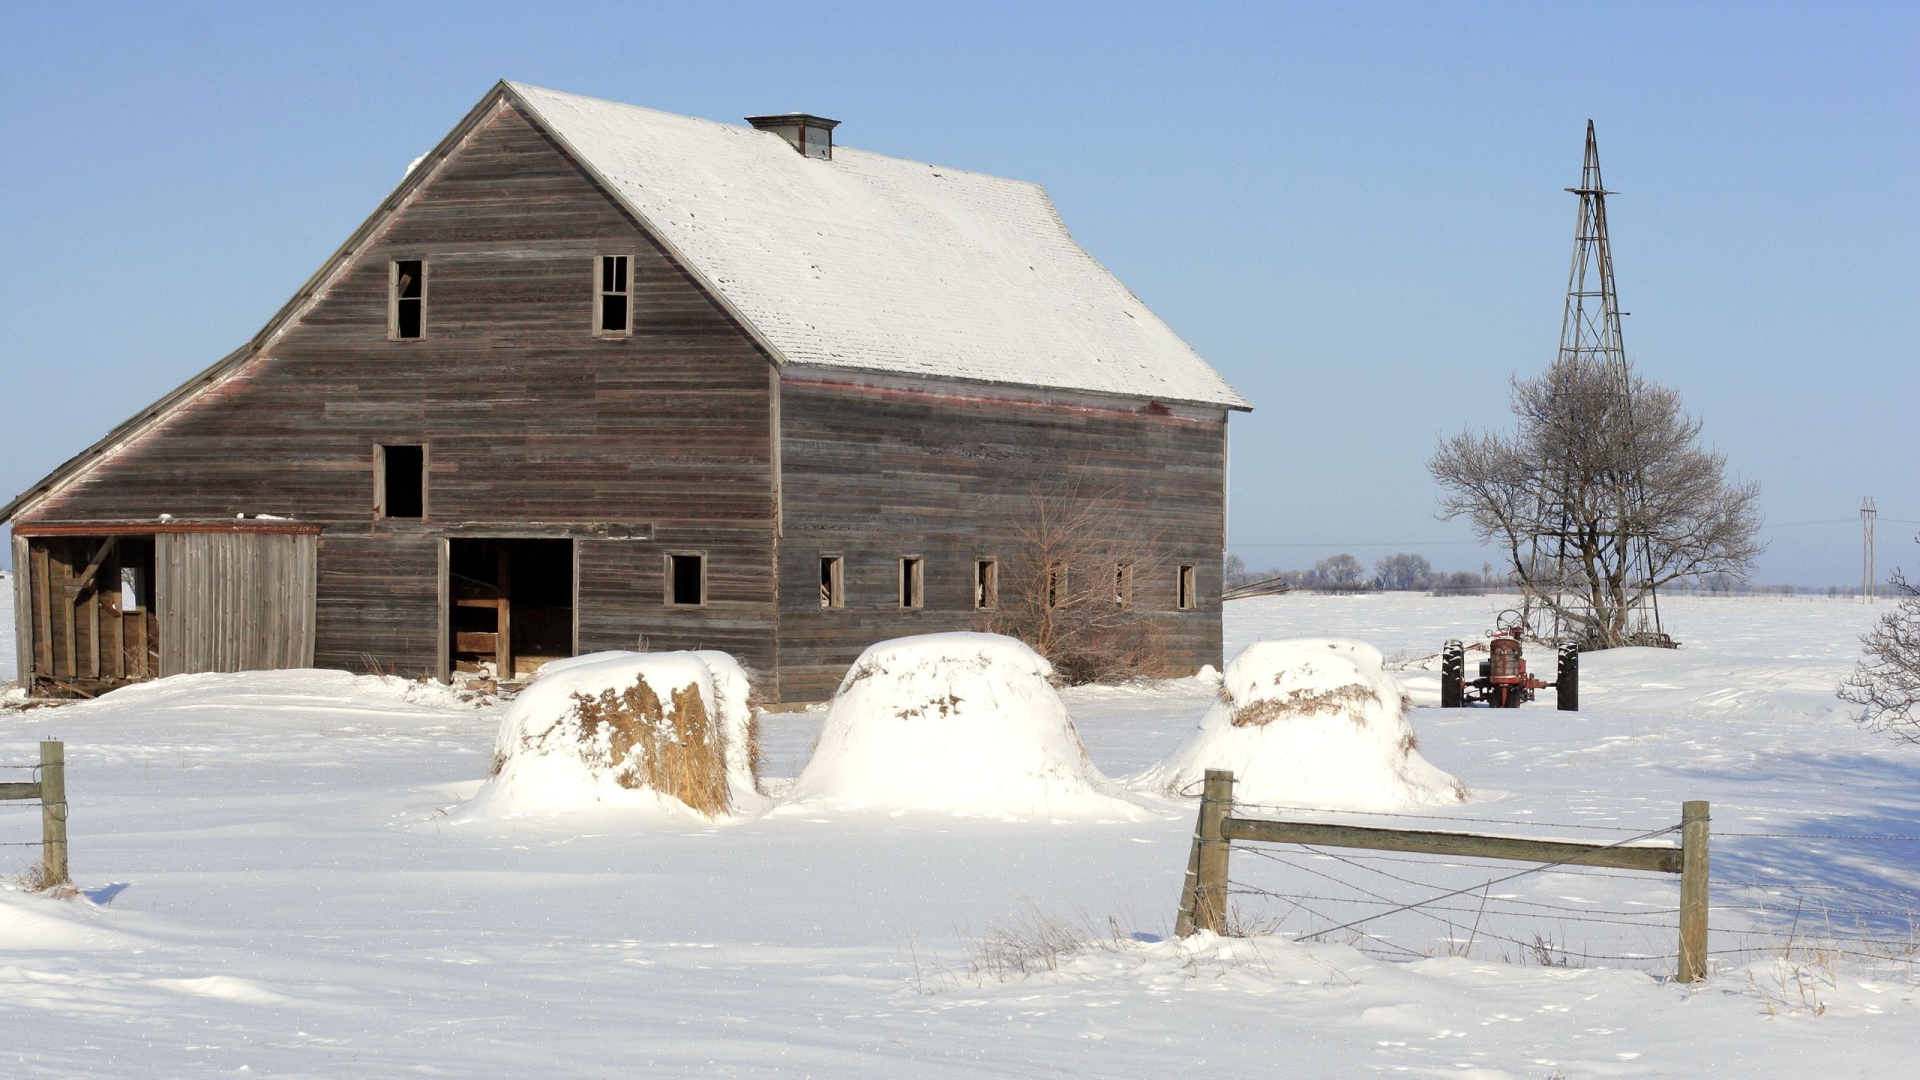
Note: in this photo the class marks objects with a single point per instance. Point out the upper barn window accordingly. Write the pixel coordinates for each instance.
(406, 297)
(613, 316)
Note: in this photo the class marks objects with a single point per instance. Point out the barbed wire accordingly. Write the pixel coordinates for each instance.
(1820, 910)
(1500, 880)
(1356, 864)
(1812, 836)
(1438, 820)
(1812, 886)
(1457, 861)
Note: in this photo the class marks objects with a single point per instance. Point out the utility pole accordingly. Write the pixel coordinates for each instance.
(1867, 570)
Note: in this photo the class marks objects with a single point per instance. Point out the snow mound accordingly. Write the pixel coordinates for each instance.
(656, 731)
(959, 723)
(1309, 722)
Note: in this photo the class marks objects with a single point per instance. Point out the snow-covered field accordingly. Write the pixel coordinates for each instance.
(279, 887)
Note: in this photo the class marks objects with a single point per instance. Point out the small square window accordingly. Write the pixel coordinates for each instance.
(912, 582)
(1189, 596)
(1123, 585)
(406, 298)
(686, 579)
(986, 584)
(613, 316)
(400, 481)
(832, 574)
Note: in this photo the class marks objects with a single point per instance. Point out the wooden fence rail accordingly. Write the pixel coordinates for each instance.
(1203, 896)
(51, 790)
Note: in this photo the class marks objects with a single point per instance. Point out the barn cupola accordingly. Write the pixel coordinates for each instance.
(811, 135)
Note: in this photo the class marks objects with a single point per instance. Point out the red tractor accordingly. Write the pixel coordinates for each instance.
(1504, 682)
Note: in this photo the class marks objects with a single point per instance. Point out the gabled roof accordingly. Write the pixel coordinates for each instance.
(874, 263)
(865, 262)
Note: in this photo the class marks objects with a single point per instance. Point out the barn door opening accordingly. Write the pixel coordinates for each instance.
(90, 613)
(510, 604)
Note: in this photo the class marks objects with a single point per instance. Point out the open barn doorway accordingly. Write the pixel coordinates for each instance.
(510, 604)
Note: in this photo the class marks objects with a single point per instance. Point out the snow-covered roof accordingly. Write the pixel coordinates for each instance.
(880, 264)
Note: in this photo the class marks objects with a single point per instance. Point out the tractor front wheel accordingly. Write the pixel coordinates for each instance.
(1567, 686)
(1453, 674)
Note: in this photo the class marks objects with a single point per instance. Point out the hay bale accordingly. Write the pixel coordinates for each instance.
(1309, 722)
(960, 723)
(652, 730)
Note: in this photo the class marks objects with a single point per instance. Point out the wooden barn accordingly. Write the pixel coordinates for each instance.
(599, 377)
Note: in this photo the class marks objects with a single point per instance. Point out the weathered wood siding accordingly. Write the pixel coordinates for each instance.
(878, 470)
(230, 601)
(527, 416)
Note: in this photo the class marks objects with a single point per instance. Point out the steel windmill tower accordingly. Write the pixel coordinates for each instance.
(1590, 334)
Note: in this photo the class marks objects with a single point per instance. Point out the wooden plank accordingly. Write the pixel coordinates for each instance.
(476, 641)
(14, 791)
(23, 624)
(107, 547)
(138, 664)
(1472, 845)
(503, 625)
(69, 664)
(114, 632)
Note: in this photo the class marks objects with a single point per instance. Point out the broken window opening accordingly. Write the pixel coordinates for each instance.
(1056, 586)
(687, 579)
(401, 481)
(986, 584)
(1189, 597)
(1123, 585)
(612, 292)
(407, 298)
(912, 579)
(832, 569)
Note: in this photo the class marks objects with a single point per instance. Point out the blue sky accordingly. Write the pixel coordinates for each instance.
(1354, 211)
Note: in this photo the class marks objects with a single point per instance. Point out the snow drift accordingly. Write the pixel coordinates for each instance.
(961, 723)
(1309, 722)
(625, 729)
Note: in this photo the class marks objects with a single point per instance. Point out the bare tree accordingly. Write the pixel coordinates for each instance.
(1886, 685)
(1620, 478)
(1337, 573)
(1404, 571)
(1068, 588)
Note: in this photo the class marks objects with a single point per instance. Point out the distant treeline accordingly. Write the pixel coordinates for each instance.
(1407, 572)
(1404, 572)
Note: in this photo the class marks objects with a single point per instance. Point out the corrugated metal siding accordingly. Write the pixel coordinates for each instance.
(234, 601)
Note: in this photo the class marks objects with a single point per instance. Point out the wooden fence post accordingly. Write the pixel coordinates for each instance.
(53, 812)
(1210, 882)
(1693, 892)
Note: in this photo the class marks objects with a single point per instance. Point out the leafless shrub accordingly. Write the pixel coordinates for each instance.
(1067, 588)
(1037, 942)
(1618, 475)
(683, 756)
(34, 879)
(1886, 685)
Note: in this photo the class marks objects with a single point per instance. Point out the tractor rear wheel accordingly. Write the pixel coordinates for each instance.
(1567, 685)
(1453, 674)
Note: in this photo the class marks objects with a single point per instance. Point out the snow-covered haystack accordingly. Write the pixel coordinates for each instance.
(1309, 722)
(661, 730)
(961, 723)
